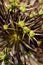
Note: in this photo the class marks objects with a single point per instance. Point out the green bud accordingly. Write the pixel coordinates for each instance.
(32, 34)
(26, 30)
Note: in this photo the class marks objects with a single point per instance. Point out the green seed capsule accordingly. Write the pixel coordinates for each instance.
(34, 13)
(21, 23)
(39, 43)
(15, 4)
(32, 34)
(5, 27)
(40, 12)
(23, 8)
(31, 15)
(26, 30)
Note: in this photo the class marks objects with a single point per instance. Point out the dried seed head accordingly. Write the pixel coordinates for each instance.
(21, 29)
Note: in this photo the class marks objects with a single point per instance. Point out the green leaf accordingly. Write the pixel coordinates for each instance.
(26, 30)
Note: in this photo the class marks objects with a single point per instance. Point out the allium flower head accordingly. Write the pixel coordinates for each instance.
(21, 32)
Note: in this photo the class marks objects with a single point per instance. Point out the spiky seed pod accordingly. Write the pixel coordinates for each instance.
(20, 33)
